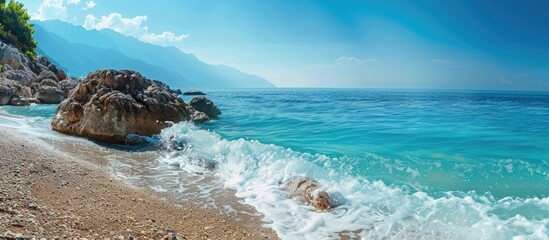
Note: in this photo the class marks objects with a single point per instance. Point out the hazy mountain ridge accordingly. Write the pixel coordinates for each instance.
(80, 51)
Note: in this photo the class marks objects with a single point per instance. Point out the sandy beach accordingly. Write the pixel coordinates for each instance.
(55, 192)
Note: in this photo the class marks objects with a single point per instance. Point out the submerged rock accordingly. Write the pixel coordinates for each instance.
(202, 104)
(193, 92)
(308, 191)
(199, 116)
(109, 105)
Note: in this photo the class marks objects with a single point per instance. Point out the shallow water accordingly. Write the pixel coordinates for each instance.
(403, 164)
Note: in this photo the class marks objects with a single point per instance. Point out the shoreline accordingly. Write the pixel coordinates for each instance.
(48, 190)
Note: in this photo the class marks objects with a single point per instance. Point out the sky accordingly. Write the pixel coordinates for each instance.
(443, 44)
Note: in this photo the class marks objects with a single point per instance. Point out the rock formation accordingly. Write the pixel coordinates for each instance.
(202, 104)
(68, 84)
(193, 92)
(308, 191)
(50, 94)
(28, 78)
(108, 105)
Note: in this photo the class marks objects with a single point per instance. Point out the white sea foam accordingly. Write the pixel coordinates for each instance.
(368, 209)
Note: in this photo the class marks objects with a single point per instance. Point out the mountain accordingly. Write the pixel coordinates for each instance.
(80, 51)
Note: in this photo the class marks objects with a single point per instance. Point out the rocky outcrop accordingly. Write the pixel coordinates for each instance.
(42, 63)
(6, 93)
(68, 84)
(10, 88)
(29, 77)
(23, 77)
(46, 74)
(202, 104)
(109, 105)
(309, 192)
(193, 92)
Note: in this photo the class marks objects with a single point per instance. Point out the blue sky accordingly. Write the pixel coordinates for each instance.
(383, 44)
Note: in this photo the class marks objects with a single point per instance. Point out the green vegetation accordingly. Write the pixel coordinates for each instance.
(15, 28)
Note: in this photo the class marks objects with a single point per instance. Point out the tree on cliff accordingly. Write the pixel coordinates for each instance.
(15, 28)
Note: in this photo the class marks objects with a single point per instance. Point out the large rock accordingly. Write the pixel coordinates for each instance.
(13, 57)
(109, 105)
(49, 82)
(202, 104)
(46, 74)
(21, 76)
(6, 93)
(308, 191)
(10, 88)
(48, 94)
(43, 63)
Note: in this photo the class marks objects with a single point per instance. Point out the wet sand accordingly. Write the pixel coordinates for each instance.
(58, 189)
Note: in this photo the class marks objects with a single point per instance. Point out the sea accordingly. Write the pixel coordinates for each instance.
(400, 164)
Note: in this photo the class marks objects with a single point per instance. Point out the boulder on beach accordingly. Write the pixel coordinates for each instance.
(202, 104)
(6, 93)
(308, 191)
(22, 101)
(109, 105)
(193, 92)
(10, 88)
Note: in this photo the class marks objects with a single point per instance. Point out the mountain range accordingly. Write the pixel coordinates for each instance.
(79, 51)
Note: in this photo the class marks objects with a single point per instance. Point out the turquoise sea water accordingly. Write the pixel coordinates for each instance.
(494, 142)
(401, 163)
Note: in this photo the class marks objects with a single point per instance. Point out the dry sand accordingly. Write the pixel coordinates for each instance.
(50, 193)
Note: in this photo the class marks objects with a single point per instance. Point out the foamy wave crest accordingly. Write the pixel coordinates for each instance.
(369, 209)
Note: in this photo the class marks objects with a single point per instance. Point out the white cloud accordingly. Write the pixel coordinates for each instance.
(131, 27)
(346, 60)
(89, 23)
(73, 1)
(89, 4)
(164, 37)
(51, 9)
